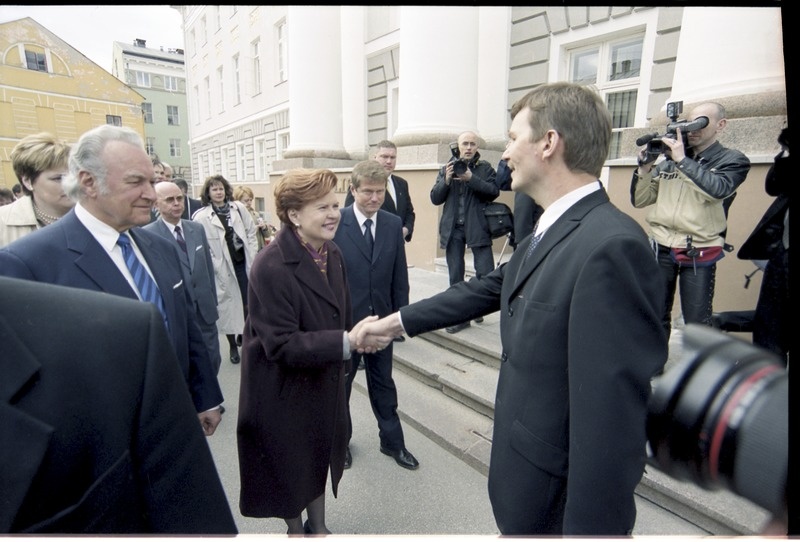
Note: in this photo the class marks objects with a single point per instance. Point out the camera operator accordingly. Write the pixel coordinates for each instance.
(465, 191)
(688, 220)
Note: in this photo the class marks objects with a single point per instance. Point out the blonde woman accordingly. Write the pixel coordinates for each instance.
(39, 162)
(264, 230)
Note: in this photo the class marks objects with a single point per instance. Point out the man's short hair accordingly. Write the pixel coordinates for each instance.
(368, 169)
(580, 117)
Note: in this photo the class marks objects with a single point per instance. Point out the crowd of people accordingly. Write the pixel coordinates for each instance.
(585, 307)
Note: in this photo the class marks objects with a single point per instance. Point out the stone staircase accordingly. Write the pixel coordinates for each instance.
(447, 384)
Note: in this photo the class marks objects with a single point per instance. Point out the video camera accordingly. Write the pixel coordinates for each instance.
(460, 165)
(655, 142)
(720, 418)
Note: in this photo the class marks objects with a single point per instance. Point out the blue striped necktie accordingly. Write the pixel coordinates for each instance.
(144, 282)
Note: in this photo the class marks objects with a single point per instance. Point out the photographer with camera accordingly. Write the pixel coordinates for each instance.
(688, 190)
(465, 185)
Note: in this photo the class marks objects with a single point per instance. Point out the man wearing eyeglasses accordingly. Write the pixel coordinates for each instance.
(196, 264)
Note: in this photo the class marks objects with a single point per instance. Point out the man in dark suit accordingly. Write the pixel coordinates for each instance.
(191, 205)
(196, 262)
(371, 241)
(100, 435)
(580, 319)
(111, 178)
(397, 200)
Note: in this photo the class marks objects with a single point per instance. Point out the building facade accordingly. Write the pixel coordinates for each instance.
(277, 87)
(160, 77)
(47, 86)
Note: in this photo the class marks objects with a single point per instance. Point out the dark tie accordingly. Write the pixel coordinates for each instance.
(534, 241)
(180, 239)
(368, 235)
(144, 282)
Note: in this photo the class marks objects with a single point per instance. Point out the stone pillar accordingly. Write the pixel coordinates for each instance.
(438, 74)
(315, 84)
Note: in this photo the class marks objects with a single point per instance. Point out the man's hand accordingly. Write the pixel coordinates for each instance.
(385, 329)
(209, 420)
(365, 343)
(676, 149)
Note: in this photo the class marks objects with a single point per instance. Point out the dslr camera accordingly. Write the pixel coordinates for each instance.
(655, 142)
(720, 419)
(460, 165)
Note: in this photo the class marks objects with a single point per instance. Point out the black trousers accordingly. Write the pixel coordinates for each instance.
(382, 396)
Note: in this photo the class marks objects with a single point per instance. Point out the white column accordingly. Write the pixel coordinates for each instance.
(756, 68)
(492, 82)
(315, 82)
(438, 71)
(354, 73)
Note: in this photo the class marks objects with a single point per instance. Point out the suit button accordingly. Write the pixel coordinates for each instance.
(335, 315)
(504, 357)
(511, 311)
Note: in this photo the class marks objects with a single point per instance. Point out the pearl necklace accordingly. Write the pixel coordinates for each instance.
(43, 217)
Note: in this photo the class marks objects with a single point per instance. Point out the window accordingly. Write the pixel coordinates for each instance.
(221, 77)
(175, 148)
(207, 84)
(36, 61)
(173, 116)
(193, 41)
(237, 83)
(150, 146)
(282, 143)
(241, 162)
(283, 53)
(260, 158)
(114, 120)
(255, 47)
(198, 109)
(203, 31)
(224, 159)
(216, 19)
(613, 67)
(171, 83)
(147, 112)
(142, 79)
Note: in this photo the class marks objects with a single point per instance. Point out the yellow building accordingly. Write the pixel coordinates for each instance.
(48, 86)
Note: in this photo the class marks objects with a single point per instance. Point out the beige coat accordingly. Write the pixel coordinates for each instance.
(231, 308)
(17, 220)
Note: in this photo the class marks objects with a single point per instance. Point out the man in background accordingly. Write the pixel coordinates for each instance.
(371, 241)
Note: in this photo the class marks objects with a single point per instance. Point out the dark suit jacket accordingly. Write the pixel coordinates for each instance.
(197, 266)
(402, 207)
(190, 207)
(68, 254)
(378, 284)
(581, 336)
(292, 428)
(99, 433)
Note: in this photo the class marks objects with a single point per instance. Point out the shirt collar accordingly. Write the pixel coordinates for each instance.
(562, 204)
(105, 234)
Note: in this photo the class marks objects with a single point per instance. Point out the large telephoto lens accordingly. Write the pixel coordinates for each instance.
(720, 418)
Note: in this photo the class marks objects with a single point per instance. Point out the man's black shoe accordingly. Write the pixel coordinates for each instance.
(221, 409)
(479, 320)
(458, 327)
(348, 459)
(402, 456)
(399, 339)
(235, 355)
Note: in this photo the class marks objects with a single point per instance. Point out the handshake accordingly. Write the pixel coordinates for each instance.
(371, 335)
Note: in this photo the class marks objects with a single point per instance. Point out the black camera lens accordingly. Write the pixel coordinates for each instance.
(720, 418)
(459, 167)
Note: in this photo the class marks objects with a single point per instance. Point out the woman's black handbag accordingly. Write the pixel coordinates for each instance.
(500, 219)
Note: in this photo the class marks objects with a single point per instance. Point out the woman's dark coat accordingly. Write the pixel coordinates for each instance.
(292, 408)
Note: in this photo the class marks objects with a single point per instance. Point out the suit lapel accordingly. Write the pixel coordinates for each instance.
(93, 260)
(23, 439)
(159, 267)
(562, 228)
(306, 270)
(353, 231)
